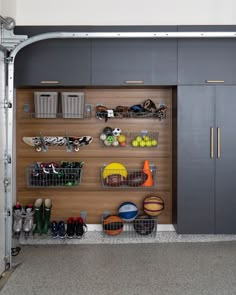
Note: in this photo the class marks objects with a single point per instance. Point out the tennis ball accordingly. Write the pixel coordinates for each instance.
(146, 138)
(148, 143)
(142, 143)
(135, 143)
(154, 142)
(138, 138)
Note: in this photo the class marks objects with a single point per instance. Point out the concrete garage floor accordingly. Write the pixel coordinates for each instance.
(132, 269)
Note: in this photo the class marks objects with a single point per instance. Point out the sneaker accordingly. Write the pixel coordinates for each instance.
(70, 231)
(80, 227)
(61, 229)
(54, 229)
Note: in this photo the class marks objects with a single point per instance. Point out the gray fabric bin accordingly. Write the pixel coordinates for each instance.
(45, 104)
(72, 104)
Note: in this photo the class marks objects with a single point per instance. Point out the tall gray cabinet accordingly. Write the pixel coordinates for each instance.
(206, 159)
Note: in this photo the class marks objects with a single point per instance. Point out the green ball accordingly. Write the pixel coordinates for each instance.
(110, 138)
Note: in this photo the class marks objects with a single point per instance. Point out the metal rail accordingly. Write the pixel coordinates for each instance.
(150, 35)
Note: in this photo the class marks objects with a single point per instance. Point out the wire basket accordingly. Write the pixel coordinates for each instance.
(142, 227)
(131, 178)
(144, 139)
(59, 177)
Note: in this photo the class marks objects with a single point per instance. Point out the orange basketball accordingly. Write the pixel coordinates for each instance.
(153, 205)
(113, 225)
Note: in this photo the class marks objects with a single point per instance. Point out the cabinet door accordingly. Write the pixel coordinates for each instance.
(226, 161)
(202, 60)
(116, 61)
(196, 169)
(65, 61)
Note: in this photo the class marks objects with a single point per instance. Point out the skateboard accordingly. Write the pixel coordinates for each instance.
(40, 143)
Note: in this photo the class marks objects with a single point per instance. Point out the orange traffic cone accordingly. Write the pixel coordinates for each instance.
(146, 169)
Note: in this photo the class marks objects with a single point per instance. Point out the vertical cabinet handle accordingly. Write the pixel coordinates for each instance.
(212, 143)
(218, 142)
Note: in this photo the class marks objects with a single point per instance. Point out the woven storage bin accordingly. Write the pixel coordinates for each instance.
(72, 104)
(46, 104)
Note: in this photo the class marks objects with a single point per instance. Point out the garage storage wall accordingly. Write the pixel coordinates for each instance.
(186, 151)
(90, 195)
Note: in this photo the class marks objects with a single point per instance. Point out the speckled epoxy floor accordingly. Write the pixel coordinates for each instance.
(96, 237)
(125, 269)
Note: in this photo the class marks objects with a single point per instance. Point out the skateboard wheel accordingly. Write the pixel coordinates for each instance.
(39, 149)
(76, 142)
(76, 149)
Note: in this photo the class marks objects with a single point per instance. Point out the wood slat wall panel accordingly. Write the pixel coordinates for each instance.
(91, 195)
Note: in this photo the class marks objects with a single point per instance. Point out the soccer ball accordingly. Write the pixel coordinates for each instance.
(116, 131)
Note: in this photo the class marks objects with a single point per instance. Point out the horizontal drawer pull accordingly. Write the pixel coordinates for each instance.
(49, 82)
(134, 82)
(215, 81)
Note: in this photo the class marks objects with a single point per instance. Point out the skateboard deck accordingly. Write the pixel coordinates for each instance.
(40, 142)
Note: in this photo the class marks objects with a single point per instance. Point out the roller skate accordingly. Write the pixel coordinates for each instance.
(17, 220)
(28, 220)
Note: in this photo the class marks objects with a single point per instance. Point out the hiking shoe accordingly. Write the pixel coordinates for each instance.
(70, 231)
(80, 227)
(61, 230)
(54, 229)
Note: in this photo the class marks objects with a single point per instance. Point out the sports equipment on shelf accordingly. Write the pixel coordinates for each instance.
(128, 211)
(113, 225)
(114, 168)
(114, 180)
(144, 225)
(136, 178)
(41, 143)
(153, 205)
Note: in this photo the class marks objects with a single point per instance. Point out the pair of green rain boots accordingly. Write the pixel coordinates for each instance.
(42, 216)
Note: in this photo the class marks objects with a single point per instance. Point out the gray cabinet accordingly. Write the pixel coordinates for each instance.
(202, 61)
(138, 61)
(65, 61)
(206, 160)
(225, 205)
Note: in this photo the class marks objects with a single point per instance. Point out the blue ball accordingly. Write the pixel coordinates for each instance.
(128, 211)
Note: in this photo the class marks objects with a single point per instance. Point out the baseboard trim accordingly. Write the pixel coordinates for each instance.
(160, 227)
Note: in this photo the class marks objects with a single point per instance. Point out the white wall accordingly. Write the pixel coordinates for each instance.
(120, 12)
(8, 8)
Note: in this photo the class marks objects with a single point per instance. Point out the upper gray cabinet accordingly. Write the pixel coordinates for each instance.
(134, 61)
(204, 61)
(64, 62)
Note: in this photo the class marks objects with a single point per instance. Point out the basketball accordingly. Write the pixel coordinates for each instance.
(113, 225)
(153, 205)
(128, 211)
(144, 225)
